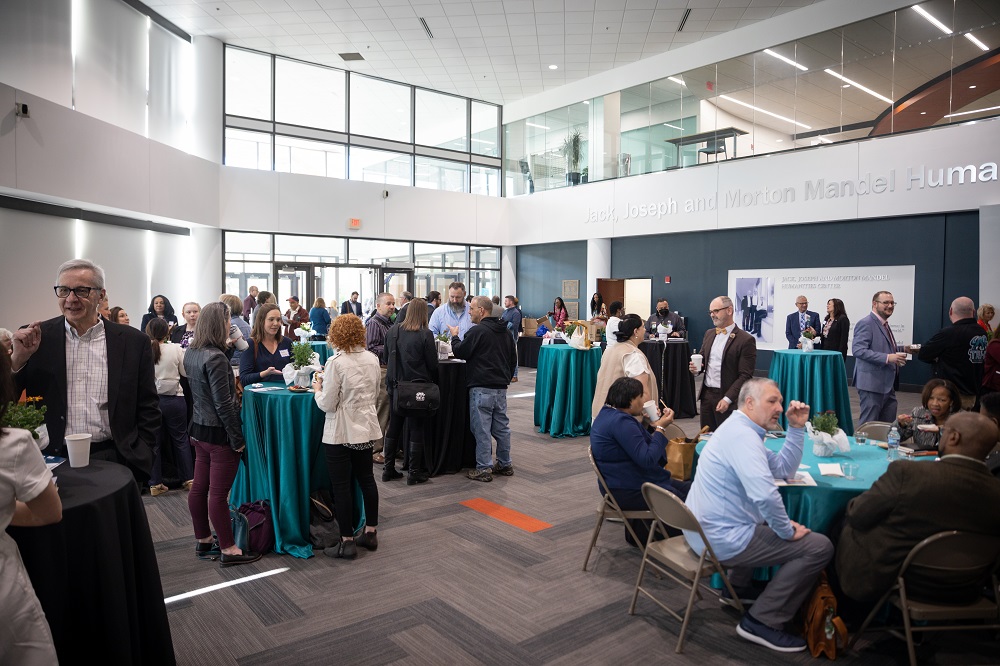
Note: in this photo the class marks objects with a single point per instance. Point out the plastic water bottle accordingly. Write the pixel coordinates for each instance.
(893, 441)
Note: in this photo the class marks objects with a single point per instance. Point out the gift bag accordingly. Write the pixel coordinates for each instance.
(580, 339)
(680, 456)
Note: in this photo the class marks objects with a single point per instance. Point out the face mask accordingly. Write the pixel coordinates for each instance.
(663, 312)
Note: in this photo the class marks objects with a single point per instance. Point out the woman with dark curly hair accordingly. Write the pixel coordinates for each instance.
(347, 391)
(559, 313)
(940, 399)
(159, 307)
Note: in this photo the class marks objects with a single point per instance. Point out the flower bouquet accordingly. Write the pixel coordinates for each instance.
(808, 341)
(28, 416)
(828, 439)
(443, 344)
(304, 331)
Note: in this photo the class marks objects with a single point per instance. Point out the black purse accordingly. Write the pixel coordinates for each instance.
(416, 398)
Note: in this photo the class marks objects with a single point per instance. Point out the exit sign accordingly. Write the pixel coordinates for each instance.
(354, 223)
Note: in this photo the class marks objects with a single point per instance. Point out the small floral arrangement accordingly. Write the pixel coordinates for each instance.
(808, 334)
(442, 337)
(825, 422)
(306, 326)
(28, 416)
(301, 354)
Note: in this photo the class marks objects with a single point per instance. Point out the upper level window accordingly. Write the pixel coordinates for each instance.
(309, 95)
(248, 84)
(380, 108)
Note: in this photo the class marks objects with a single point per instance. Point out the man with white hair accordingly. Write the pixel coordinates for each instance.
(94, 377)
(6, 340)
(957, 351)
(734, 498)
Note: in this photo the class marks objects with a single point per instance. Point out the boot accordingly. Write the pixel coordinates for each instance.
(417, 472)
(389, 468)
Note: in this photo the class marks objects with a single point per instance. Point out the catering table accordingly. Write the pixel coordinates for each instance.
(817, 378)
(527, 351)
(284, 462)
(323, 350)
(564, 389)
(449, 444)
(674, 381)
(95, 572)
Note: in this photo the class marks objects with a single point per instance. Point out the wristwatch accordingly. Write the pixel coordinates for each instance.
(662, 429)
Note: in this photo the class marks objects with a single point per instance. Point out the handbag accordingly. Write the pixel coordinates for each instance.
(416, 397)
(253, 527)
(822, 627)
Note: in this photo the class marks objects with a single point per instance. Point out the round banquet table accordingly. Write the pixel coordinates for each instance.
(323, 350)
(95, 572)
(527, 351)
(817, 378)
(675, 383)
(564, 389)
(449, 445)
(285, 461)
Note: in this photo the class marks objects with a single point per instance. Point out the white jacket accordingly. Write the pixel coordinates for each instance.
(350, 389)
(170, 369)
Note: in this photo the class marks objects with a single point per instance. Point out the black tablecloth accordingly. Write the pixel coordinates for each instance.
(527, 351)
(95, 573)
(449, 445)
(673, 379)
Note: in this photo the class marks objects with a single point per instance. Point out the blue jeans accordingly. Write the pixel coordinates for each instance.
(488, 416)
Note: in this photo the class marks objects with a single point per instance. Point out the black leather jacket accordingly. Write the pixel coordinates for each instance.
(213, 392)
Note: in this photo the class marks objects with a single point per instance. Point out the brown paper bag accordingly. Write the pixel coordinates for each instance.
(680, 456)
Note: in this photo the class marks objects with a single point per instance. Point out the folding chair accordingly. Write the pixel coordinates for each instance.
(610, 505)
(946, 560)
(674, 553)
(874, 429)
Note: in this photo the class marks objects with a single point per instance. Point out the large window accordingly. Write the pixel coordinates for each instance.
(380, 166)
(248, 84)
(309, 95)
(440, 174)
(250, 150)
(380, 109)
(313, 158)
(441, 120)
(485, 129)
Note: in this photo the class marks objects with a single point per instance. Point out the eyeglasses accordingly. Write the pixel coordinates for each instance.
(886, 302)
(81, 292)
(717, 311)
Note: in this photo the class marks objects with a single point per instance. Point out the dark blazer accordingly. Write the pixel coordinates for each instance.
(133, 406)
(792, 329)
(836, 337)
(739, 358)
(910, 502)
(350, 308)
(410, 356)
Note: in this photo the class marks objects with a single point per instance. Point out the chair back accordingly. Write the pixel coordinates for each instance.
(951, 565)
(874, 429)
(600, 477)
(715, 146)
(670, 510)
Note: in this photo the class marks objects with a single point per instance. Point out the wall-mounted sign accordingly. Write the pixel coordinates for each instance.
(354, 224)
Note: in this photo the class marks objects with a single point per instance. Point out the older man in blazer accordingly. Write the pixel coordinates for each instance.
(800, 321)
(877, 360)
(93, 376)
(915, 500)
(730, 356)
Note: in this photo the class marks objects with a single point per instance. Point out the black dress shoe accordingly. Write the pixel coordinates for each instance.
(417, 477)
(208, 551)
(367, 540)
(233, 560)
(390, 473)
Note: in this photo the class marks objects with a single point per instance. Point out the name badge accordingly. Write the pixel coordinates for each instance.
(283, 352)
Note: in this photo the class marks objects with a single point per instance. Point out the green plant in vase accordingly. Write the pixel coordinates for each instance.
(28, 416)
(826, 422)
(301, 354)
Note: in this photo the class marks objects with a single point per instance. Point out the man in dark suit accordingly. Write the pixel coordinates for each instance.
(95, 377)
(877, 360)
(730, 356)
(799, 322)
(914, 500)
(352, 306)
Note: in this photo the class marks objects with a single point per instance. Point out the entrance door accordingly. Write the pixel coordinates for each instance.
(396, 281)
(294, 280)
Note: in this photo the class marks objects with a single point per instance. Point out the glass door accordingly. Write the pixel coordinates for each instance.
(396, 281)
(294, 280)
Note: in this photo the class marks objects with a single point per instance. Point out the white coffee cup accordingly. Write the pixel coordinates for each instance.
(649, 407)
(697, 359)
(79, 450)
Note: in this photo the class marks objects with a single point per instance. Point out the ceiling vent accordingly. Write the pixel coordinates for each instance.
(348, 57)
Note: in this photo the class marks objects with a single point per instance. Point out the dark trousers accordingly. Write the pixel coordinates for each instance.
(341, 461)
(215, 468)
(631, 499)
(710, 397)
(173, 409)
(417, 427)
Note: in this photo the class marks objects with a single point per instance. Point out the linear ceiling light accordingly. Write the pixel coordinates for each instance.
(972, 38)
(538, 126)
(673, 126)
(768, 113)
(965, 113)
(677, 81)
(858, 85)
(933, 21)
(783, 58)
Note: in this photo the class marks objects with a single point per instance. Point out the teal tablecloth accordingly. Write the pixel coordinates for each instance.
(817, 378)
(564, 389)
(285, 462)
(323, 349)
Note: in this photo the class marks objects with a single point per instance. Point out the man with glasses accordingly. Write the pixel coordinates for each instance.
(877, 360)
(800, 321)
(730, 356)
(94, 377)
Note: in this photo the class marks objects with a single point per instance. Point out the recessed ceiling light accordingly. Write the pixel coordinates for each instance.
(784, 59)
(845, 86)
(858, 86)
(586, 101)
(923, 113)
(969, 36)
(779, 140)
(553, 66)
(538, 126)
(971, 87)
(937, 24)
(677, 81)
(773, 115)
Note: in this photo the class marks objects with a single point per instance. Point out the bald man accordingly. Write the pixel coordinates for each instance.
(957, 351)
(914, 500)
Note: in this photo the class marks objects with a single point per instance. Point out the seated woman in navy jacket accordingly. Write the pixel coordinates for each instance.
(269, 351)
(627, 454)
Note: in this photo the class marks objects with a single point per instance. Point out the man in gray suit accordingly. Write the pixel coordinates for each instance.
(913, 501)
(877, 360)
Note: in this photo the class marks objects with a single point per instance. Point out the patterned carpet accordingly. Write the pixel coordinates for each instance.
(450, 585)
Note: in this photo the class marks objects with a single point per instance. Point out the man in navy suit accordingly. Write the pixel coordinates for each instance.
(799, 322)
(352, 306)
(877, 360)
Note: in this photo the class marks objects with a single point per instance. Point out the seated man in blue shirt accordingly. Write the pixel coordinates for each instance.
(627, 455)
(741, 512)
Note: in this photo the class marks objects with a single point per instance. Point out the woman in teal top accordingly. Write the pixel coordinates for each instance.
(319, 318)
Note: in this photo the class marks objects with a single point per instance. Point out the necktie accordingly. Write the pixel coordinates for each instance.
(720, 331)
(892, 339)
(802, 321)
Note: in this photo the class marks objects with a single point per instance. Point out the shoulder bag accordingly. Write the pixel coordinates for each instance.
(416, 398)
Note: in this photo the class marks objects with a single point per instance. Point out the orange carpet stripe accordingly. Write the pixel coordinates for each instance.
(505, 515)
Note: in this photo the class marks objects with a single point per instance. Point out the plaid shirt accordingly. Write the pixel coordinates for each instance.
(87, 382)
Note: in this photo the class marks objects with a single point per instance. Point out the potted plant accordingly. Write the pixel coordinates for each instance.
(443, 344)
(304, 331)
(585, 175)
(808, 342)
(29, 416)
(571, 149)
(302, 358)
(826, 434)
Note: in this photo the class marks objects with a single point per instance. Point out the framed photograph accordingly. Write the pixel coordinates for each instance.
(570, 290)
(573, 309)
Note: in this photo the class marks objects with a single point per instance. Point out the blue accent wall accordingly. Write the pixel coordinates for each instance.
(541, 270)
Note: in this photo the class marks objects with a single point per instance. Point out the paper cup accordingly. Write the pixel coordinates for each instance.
(697, 359)
(78, 447)
(649, 407)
